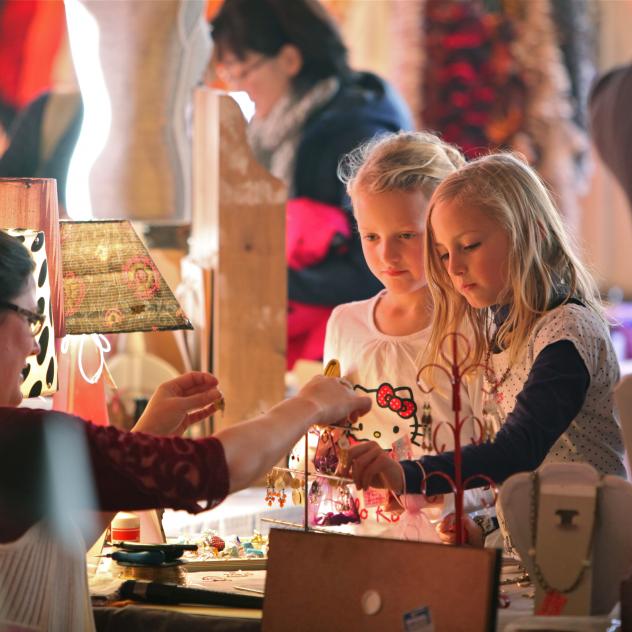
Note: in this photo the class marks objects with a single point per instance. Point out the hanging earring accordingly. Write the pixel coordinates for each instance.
(281, 498)
(343, 498)
(426, 426)
(314, 493)
(297, 490)
(270, 493)
(279, 486)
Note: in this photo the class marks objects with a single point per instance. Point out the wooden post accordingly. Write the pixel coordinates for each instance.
(32, 203)
(238, 232)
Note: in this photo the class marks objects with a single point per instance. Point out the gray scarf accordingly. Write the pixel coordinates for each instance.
(275, 139)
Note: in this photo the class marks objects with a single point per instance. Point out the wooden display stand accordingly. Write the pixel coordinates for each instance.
(237, 251)
(32, 203)
(318, 581)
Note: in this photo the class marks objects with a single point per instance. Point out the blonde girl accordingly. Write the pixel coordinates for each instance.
(500, 262)
(379, 342)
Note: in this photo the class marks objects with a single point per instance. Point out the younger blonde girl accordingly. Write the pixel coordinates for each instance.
(499, 261)
(379, 342)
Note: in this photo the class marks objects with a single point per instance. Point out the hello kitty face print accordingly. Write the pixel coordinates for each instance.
(394, 416)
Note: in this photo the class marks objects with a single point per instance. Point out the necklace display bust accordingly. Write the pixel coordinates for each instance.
(605, 552)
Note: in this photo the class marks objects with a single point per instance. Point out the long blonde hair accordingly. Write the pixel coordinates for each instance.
(541, 263)
(402, 161)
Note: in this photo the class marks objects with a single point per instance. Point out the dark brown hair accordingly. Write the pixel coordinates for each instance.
(265, 26)
(16, 266)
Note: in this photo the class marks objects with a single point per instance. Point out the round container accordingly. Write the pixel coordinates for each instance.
(126, 526)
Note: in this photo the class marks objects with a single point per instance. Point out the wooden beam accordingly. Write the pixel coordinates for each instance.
(238, 231)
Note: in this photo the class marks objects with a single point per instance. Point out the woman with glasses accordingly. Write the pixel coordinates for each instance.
(54, 467)
(310, 110)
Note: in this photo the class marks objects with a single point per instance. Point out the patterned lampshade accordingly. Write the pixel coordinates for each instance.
(111, 284)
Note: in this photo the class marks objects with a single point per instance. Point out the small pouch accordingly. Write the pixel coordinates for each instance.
(331, 503)
(413, 524)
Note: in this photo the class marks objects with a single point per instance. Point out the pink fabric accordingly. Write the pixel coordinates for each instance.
(306, 326)
(311, 228)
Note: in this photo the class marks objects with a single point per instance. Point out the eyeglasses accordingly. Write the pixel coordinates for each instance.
(35, 320)
(227, 75)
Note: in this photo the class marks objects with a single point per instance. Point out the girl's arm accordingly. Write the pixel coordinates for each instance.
(551, 398)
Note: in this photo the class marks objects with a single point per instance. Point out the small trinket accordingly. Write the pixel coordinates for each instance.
(426, 426)
(217, 543)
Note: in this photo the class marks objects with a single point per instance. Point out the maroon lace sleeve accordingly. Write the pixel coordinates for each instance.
(40, 449)
(140, 471)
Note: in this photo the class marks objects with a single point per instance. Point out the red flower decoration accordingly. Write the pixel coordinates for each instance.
(74, 293)
(142, 276)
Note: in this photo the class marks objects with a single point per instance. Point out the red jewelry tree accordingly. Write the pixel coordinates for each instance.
(456, 357)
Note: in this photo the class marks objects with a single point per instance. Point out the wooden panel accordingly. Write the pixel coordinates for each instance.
(239, 232)
(32, 203)
(318, 582)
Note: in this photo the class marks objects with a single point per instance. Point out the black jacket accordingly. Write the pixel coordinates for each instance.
(363, 107)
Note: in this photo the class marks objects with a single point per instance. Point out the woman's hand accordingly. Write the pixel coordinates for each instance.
(334, 400)
(179, 403)
(372, 467)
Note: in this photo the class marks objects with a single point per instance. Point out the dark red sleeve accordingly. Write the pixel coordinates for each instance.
(43, 456)
(140, 471)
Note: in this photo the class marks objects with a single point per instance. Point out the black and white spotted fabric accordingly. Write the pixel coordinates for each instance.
(594, 436)
(40, 374)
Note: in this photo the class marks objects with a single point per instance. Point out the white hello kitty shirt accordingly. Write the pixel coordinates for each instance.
(385, 368)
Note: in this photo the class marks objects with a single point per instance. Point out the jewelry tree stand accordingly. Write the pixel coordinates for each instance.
(455, 351)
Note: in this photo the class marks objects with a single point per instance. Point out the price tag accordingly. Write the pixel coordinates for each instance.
(402, 449)
(374, 497)
(418, 620)
(552, 604)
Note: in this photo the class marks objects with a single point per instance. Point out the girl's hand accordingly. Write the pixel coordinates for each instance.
(179, 403)
(370, 466)
(334, 400)
(447, 531)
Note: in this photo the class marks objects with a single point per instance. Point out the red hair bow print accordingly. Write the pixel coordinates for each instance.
(386, 398)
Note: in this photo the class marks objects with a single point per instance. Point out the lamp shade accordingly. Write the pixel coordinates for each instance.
(111, 284)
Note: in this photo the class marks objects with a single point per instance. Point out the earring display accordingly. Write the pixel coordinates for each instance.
(454, 353)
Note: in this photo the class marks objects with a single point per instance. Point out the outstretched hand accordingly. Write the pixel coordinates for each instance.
(179, 403)
(334, 400)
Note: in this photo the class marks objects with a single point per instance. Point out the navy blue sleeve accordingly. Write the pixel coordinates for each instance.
(551, 398)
